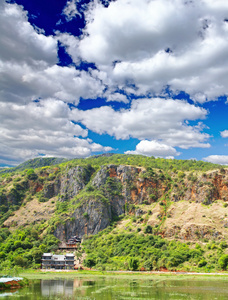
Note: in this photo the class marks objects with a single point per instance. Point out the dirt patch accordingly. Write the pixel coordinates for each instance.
(192, 221)
(33, 211)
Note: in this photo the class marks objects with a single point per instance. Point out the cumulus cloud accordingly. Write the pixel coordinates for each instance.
(70, 10)
(29, 71)
(42, 127)
(141, 30)
(116, 97)
(70, 43)
(152, 119)
(154, 148)
(158, 43)
(224, 133)
(20, 42)
(139, 48)
(217, 159)
(22, 83)
(28, 68)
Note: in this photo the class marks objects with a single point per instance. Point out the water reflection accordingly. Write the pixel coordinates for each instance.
(112, 288)
(60, 287)
(2, 294)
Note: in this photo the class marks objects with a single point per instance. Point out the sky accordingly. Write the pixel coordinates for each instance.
(80, 78)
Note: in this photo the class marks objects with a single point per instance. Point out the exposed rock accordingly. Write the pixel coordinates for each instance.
(126, 184)
(100, 178)
(139, 212)
(51, 190)
(74, 181)
(90, 218)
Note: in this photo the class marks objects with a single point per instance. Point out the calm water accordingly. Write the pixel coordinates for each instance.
(106, 288)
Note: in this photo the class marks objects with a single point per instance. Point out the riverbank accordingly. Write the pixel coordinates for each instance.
(51, 274)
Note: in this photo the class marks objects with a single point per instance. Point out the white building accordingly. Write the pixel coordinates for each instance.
(52, 261)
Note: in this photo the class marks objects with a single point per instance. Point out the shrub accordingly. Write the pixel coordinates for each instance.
(223, 261)
(148, 265)
(31, 175)
(90, 188)
(133, 264)
(42, 199)
(222, 171)
(148, 229)
(181, 174)
(153, 197)
(20, 261)
(223, 245)
(86, 215)
(90, 261)
(202, 263)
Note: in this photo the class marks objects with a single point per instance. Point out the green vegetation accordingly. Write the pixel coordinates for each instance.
(35, 163)
(24, 247)
(137, 160)
(113, 250)
(38, 274)
(147, 162)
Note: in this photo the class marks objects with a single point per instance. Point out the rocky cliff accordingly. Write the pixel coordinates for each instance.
(85, 200)
(133, 191)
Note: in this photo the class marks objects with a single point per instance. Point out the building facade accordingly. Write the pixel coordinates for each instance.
(58, 262)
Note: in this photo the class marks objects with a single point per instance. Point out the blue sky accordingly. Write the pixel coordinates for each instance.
(80, 78)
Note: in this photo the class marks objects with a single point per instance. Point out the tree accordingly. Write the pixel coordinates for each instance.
(31, 175)
(148, 229)
(20, 261)
(90, 262)
(223, 261)
(133, 264)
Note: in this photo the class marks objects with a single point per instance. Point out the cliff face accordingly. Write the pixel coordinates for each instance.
(96, 198)
(126, 187)
(90, 218)
(122, 187)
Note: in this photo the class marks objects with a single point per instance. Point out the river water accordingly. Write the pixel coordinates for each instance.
(106, 288)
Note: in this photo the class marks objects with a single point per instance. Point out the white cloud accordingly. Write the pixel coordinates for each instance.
(28, 71)
(70, 10)
(217, 159)
(71, 44)
(22, 83)
(20, 42)
(141, 29)
(224, 133)
(157, 43)
(139, 47)
(44, 127)
(152, 119)
(28, 68)
(154, 148)
(150, 43)
(116, 97)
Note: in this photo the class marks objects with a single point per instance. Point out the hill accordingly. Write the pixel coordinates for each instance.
(161, 207)
(35, 163)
